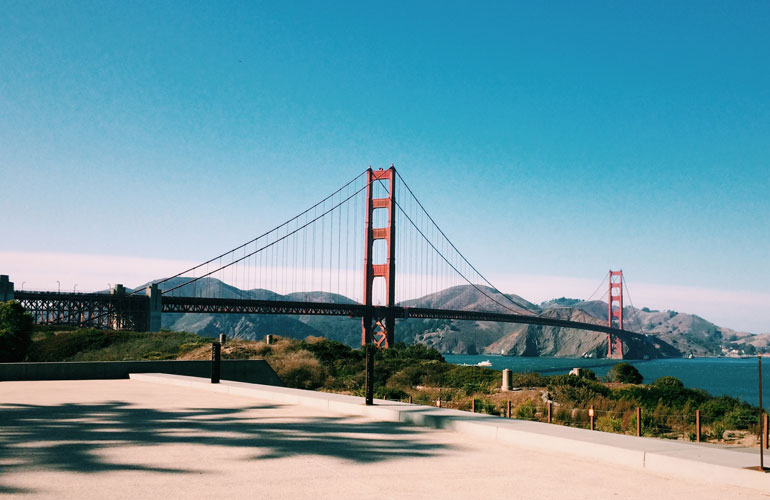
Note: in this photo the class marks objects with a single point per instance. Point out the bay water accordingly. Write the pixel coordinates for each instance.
(736, 377)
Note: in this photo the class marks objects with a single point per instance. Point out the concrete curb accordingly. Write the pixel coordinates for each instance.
(673, 459)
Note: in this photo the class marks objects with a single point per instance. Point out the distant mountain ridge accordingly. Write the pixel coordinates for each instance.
(669, 333)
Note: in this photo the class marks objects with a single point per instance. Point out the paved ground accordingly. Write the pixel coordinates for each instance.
(130, 439)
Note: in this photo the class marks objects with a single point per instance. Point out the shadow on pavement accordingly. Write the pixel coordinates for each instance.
(70, 437)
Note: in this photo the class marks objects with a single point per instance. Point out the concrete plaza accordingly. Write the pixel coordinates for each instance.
(140, 439)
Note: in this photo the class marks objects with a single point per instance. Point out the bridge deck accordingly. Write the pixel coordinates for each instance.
(74, 307)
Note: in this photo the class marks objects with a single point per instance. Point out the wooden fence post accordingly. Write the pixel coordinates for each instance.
(638, 422)
(697, 426)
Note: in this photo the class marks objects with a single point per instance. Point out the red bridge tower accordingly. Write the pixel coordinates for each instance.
(615, 315)
(379, 329)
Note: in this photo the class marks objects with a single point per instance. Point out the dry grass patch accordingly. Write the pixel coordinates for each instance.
(300, 369)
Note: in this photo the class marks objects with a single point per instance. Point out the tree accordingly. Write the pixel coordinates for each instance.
(625, 373)
(15, 331)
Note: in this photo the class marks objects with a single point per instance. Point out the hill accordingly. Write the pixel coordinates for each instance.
(669, 333)
(688, 333)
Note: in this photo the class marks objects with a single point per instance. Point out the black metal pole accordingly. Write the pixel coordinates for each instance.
(216, 358)
(369, 375)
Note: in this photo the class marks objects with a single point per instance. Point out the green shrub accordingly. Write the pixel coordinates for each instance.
(717, 430)
(15, 331)
(668, 382)
(625, 373)
(741, 417)
(471, 388)
(98, 345)
(649, 425)
(525, 411)
(568, 388)
(486, 406)
(609, 423)
(529, 379)
(384, 392)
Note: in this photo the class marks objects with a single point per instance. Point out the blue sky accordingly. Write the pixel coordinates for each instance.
(552, 142)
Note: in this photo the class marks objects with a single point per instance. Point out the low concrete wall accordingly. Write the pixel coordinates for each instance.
(255, 371)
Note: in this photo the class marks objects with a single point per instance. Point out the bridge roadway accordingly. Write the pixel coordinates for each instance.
(34, 301)
(246, 306)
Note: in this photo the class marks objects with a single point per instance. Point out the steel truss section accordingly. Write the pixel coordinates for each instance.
(92, 310)
(244, 306)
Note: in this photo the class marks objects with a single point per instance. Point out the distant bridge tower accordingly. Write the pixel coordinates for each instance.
(615, 315)
(379, 328)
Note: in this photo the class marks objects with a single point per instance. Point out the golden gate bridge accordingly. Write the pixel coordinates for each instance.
(339, 257)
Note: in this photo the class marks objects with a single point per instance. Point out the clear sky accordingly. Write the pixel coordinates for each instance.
(551, 141)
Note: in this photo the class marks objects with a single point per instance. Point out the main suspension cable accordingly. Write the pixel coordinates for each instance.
(258, 237)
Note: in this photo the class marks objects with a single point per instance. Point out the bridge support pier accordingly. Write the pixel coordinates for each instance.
(6, 288)
(155, 308)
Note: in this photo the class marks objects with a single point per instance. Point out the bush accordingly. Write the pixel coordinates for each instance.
(648, 423)
(668, 382)
(525, 411)
(300, 370)
(529, 379)
(741, 417)
(98, 345)
(625, 373)
(390, 393)
(609, 423)
(718, 429)
(486, 406)
(15, 331)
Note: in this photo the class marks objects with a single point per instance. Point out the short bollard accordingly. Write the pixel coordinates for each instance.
(216, 358)
(591, 416)
(638, 422)
(510, 413)
(473, 405)
(550, 412)
(697, 426)
(369, 375)
(410, 399)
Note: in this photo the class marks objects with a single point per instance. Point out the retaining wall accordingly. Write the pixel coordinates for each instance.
(255, 371)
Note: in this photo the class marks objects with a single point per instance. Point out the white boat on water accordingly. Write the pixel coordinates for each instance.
(484, 363)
